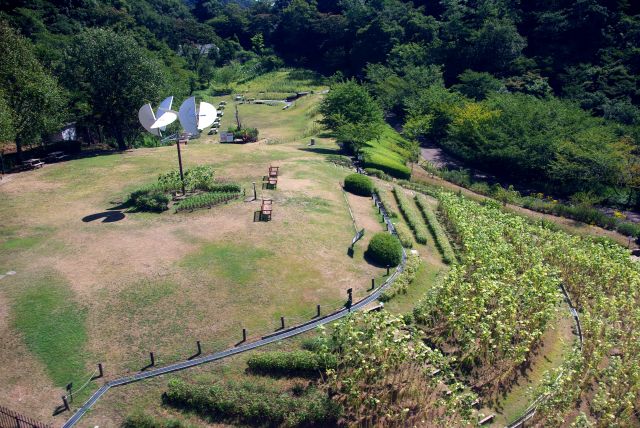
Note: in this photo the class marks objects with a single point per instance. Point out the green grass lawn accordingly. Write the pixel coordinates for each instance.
(53, 327)
(89, 292)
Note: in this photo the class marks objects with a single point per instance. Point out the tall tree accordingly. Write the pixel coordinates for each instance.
(352, 114)
(32, 96)
(112, 75)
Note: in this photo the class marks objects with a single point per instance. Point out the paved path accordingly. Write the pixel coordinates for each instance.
(265, 340)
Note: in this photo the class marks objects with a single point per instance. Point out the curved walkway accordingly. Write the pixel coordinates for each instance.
(265, 340)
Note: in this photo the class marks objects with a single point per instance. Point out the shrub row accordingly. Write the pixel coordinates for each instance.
(383, 195)
(412, 217)
(251, 404)
(582, 213)
(202, 200)
(404, 235)
(149, 198)
(225, 188)
(384, 249)
(141, 420)
(295, 363)
(373, 159)
(358, 184)
(402, 282)
(442, 241)
(374, 172)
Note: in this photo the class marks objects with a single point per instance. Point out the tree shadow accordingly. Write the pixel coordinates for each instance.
(322, 150)
(107, 216)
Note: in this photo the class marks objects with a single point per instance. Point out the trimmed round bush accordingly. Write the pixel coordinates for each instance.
(384, 249)
(358, 184)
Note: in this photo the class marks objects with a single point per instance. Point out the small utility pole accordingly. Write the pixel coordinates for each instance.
(180, 163)
(238, 118)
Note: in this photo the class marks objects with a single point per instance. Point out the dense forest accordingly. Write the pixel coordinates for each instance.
(541, 93)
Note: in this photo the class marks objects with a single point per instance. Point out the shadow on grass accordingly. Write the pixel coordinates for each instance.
(106, 216)
(322, 150)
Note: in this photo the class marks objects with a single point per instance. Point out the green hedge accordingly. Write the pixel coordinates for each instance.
(358, 184)
(404, 235)
(292, 363)
(442, 241)
(414, 220)
(253, 404)
(402, 282)
(205, 200)
(374, 159)
(150, 199)
(374, 172)
(384, 249)
(225, 188)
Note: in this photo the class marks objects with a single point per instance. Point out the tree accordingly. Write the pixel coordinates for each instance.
(7, 132)
(477, 85)
(113, 76)
(351, 112)
(33, 100)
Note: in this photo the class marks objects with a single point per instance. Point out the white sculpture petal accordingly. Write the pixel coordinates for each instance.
(188, 117)
(206, 115)
(147, 119)
(167, 118)
(164, 107)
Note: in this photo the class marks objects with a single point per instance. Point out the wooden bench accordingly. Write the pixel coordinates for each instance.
(486, 419)
(33, 163)
(56, 156)
(265, 209)
(273, 171)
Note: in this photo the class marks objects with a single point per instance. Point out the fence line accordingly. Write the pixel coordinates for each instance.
(281, 335)
(11, 419)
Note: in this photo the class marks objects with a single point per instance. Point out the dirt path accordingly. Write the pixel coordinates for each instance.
(362, 208)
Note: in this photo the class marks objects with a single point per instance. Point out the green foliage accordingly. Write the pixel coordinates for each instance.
(208, 199)
(251, 404)
(31, 101)
(495, 305)
(385, 200)
(294, 363)
(200, 177)
(150, 198)
(358, 184)
(442, 241)
(387, 153)
(352, 114)
(113, 76)
(477, 85)
(142, 420)
(384, 249)
(404, 280)
(384, 372)
(247, 135)
(413, 218)
(557, 142)
(377, 173)
(404, 234)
